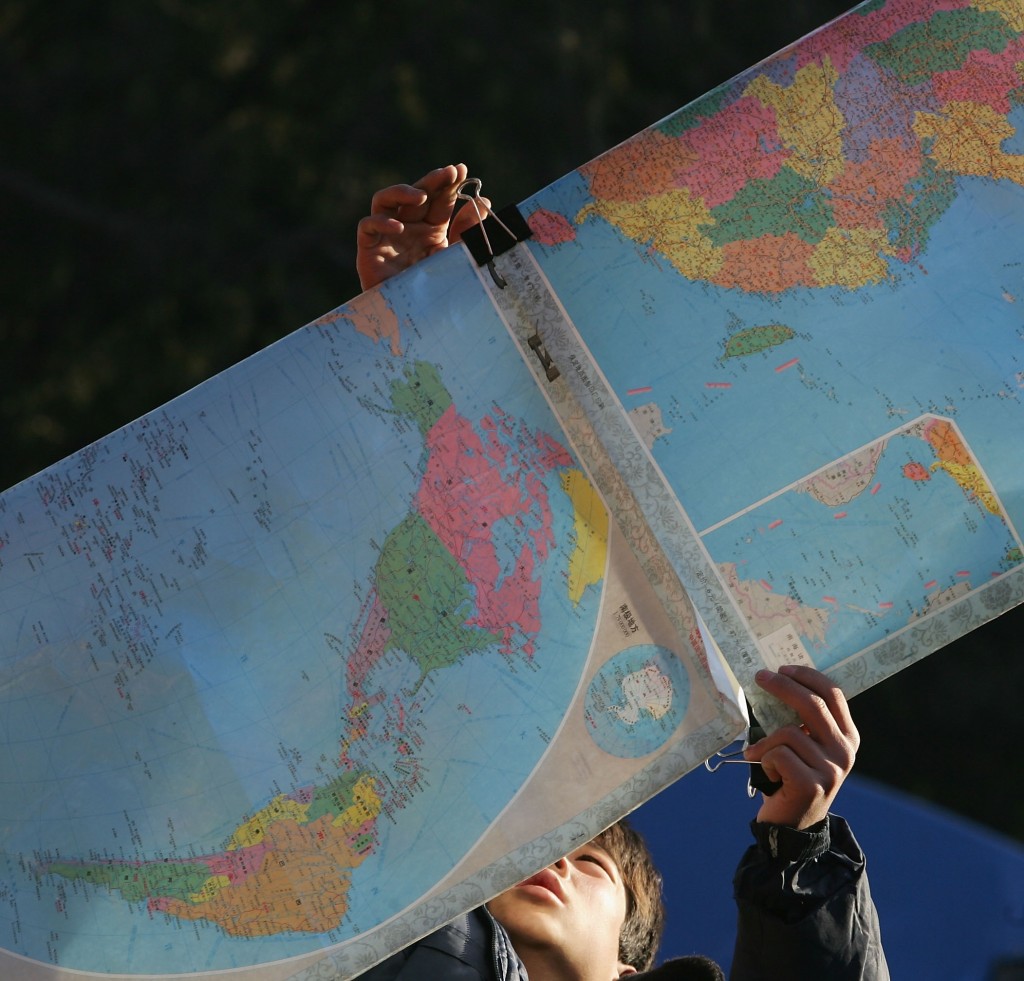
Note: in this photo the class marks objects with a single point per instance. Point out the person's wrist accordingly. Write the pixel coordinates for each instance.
(784, 843)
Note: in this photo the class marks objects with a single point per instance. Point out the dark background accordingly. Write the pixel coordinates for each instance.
(180, 182)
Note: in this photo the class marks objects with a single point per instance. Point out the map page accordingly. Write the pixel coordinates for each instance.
(806, 291)
(326, 651)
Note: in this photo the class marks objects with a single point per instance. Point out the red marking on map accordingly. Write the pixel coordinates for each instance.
(643, 390)
(963, 573)
(718, 384)
(775, 524)
(839, 515)
(876, 488)
(787, 364)
(931, 584)
(550, 228)
(916, 471)
(885, 605)
(831, 599)
(767, 585)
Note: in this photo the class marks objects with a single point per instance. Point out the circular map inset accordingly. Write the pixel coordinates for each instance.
(637, 700)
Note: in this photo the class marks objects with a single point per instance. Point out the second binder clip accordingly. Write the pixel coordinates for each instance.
(757, 779)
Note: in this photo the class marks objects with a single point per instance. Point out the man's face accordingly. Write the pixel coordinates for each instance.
(565, 921)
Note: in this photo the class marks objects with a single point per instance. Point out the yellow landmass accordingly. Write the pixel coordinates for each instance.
(371, 315)
(590, 520)
(366, 805)
(850, 257)
(255, 830)
(209, 889)
(965, 139)
(809, 121)
(670, 223)
(970, 479)
(1012, 11)
(302, 885)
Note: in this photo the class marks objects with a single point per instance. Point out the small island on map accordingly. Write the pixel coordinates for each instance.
(754, 340)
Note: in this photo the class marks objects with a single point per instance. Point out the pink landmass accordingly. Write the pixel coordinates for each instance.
(985, 79)
(471, 483)
(550, 228)
(725, 152)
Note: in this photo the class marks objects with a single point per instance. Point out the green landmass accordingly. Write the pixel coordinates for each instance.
(784, 203)
(422, 396)
(138, 882)
(428, 598)
(753, 340)
(697, 112)
(334, 797)
(941, 44)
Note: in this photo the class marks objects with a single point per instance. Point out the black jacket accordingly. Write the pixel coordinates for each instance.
(805, 912)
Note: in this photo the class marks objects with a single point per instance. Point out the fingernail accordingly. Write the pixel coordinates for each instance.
(789, 669)
(763, 675)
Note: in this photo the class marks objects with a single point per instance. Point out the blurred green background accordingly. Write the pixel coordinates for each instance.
(180, 182)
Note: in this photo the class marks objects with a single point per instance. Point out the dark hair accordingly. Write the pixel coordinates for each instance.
(645, 909)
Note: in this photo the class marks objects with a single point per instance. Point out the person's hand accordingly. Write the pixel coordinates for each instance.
(812, 759)
(408, 222)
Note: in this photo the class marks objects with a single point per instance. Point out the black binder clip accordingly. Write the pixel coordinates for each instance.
(494, 235)
(757, 779)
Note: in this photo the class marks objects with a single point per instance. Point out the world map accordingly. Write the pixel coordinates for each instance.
(285, 652)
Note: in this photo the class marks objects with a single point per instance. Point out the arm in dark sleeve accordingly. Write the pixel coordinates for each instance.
(805, 909)
(473, 947)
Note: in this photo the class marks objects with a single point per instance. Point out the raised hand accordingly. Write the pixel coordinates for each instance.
(408, 222)
(811, 759)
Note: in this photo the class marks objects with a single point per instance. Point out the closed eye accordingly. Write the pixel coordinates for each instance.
(598, 859)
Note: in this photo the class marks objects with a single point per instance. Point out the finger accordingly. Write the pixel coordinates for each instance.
(830, 692)
(373, 228)
(467, 217)
(800, 744)
(817, 699)
(388, 200)
(442, 187)
(443, 177)
(830, 759)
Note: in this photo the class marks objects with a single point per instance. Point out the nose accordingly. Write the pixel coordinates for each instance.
(562, 866)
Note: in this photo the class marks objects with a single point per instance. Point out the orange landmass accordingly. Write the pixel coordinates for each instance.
(948, 446)
(769, 264)
(302, 885)
(862, 191)
(371, 315)
(634, 170)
